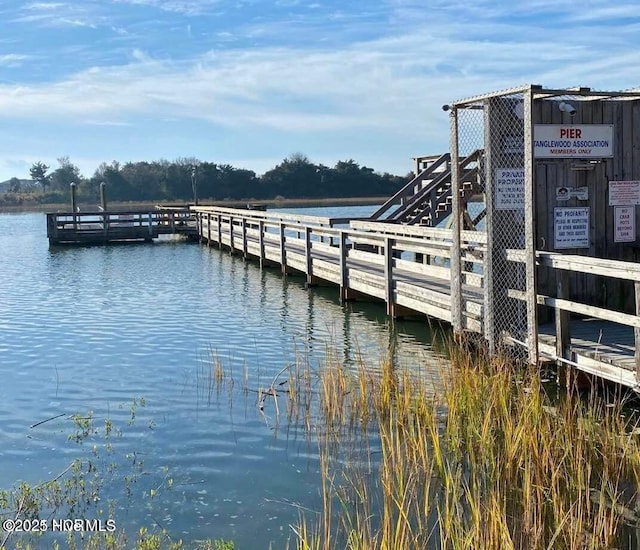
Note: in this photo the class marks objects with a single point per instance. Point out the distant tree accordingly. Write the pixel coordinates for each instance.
(117, 185)
(295, 176)
(145, 179)
(14, 185)
(65, 174)
(39, 174)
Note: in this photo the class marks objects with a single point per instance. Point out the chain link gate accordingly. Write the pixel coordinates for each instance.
(498, 126)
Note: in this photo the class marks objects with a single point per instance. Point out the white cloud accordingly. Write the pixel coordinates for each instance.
(12, 60)
(37, 6)
(184, 7)
(376, 84)
(387, 87)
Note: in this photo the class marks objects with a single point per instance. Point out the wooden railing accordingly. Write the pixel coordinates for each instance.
(106, 226)
(409, 268)
(563, 265)
(415, 185)
(371, 258)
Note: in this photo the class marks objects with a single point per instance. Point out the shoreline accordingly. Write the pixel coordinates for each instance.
(137, 205)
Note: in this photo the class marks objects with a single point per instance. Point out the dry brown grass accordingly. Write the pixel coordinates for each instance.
(491, 462)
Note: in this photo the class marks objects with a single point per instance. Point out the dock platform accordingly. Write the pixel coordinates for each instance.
(118, 226)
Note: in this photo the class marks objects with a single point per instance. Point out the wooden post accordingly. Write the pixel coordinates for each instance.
(283, 250)
(74, 206)
(244, 238)
(261, 242)
(103, 196)
(563, 319)
(636, 331)
(150, 222)
(209, 229)
(308, 257)
(388, 274)
(531, 282)
(231, 240)
(344, 275)
(456, 261)
(52, 227)
(219, 220)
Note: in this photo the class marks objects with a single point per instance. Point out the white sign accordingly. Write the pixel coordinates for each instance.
(509, 189)
(624, 220)
(566, 193)
(571, 227)
(624, 193)
(573, 141)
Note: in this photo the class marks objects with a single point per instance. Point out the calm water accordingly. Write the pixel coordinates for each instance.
(92, 329)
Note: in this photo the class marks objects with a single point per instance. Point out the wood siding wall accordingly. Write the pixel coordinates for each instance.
(624, 166)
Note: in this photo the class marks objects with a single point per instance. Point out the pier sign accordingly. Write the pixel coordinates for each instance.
(624, 221)
(571, 227)
(624, 193)
(509, 189)
(573, 141)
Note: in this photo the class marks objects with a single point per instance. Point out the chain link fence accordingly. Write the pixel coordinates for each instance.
(494, 127)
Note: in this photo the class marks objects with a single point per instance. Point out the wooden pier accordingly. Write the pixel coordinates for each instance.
(118, 226)
(547, 262)
(378, 261)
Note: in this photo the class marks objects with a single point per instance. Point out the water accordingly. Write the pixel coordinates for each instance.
(95, 328)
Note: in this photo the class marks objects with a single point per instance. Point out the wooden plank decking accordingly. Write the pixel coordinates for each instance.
(117, 226)
(379, 261)
(599, 347)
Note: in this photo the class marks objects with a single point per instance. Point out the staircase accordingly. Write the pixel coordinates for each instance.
(426, 199)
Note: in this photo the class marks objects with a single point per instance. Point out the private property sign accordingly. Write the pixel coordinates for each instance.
(574, 141)
(509, 189)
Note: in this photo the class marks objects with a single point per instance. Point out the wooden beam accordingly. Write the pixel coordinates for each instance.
(563, 320)
(308, 256)
(456, 208)
(283, 249)
(531, 281)
(344, 274)
(388, 274)
(636, 332)
(244, 238)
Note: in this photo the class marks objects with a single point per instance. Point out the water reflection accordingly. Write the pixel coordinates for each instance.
(91, 329)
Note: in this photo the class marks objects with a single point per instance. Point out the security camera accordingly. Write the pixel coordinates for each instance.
(567, 108)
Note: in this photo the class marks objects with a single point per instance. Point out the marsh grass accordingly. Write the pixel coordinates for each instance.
(486, 459)
(490, 461)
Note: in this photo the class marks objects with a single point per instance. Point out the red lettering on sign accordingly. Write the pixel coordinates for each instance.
(571, 133)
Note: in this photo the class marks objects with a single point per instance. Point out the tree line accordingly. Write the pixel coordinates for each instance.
(187, 178)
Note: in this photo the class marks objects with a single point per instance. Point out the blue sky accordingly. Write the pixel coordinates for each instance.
(250, 82)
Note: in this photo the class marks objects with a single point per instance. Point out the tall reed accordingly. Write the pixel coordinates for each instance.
(489, 461)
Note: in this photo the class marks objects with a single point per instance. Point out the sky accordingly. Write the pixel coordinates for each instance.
(251, 82)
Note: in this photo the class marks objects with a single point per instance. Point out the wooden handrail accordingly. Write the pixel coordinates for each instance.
(616, 269)
(405, 191)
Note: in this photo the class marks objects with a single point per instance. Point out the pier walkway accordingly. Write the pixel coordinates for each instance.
(408, 268)
(118, 226)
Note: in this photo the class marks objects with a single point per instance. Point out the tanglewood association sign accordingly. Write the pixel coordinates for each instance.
(573, 141)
